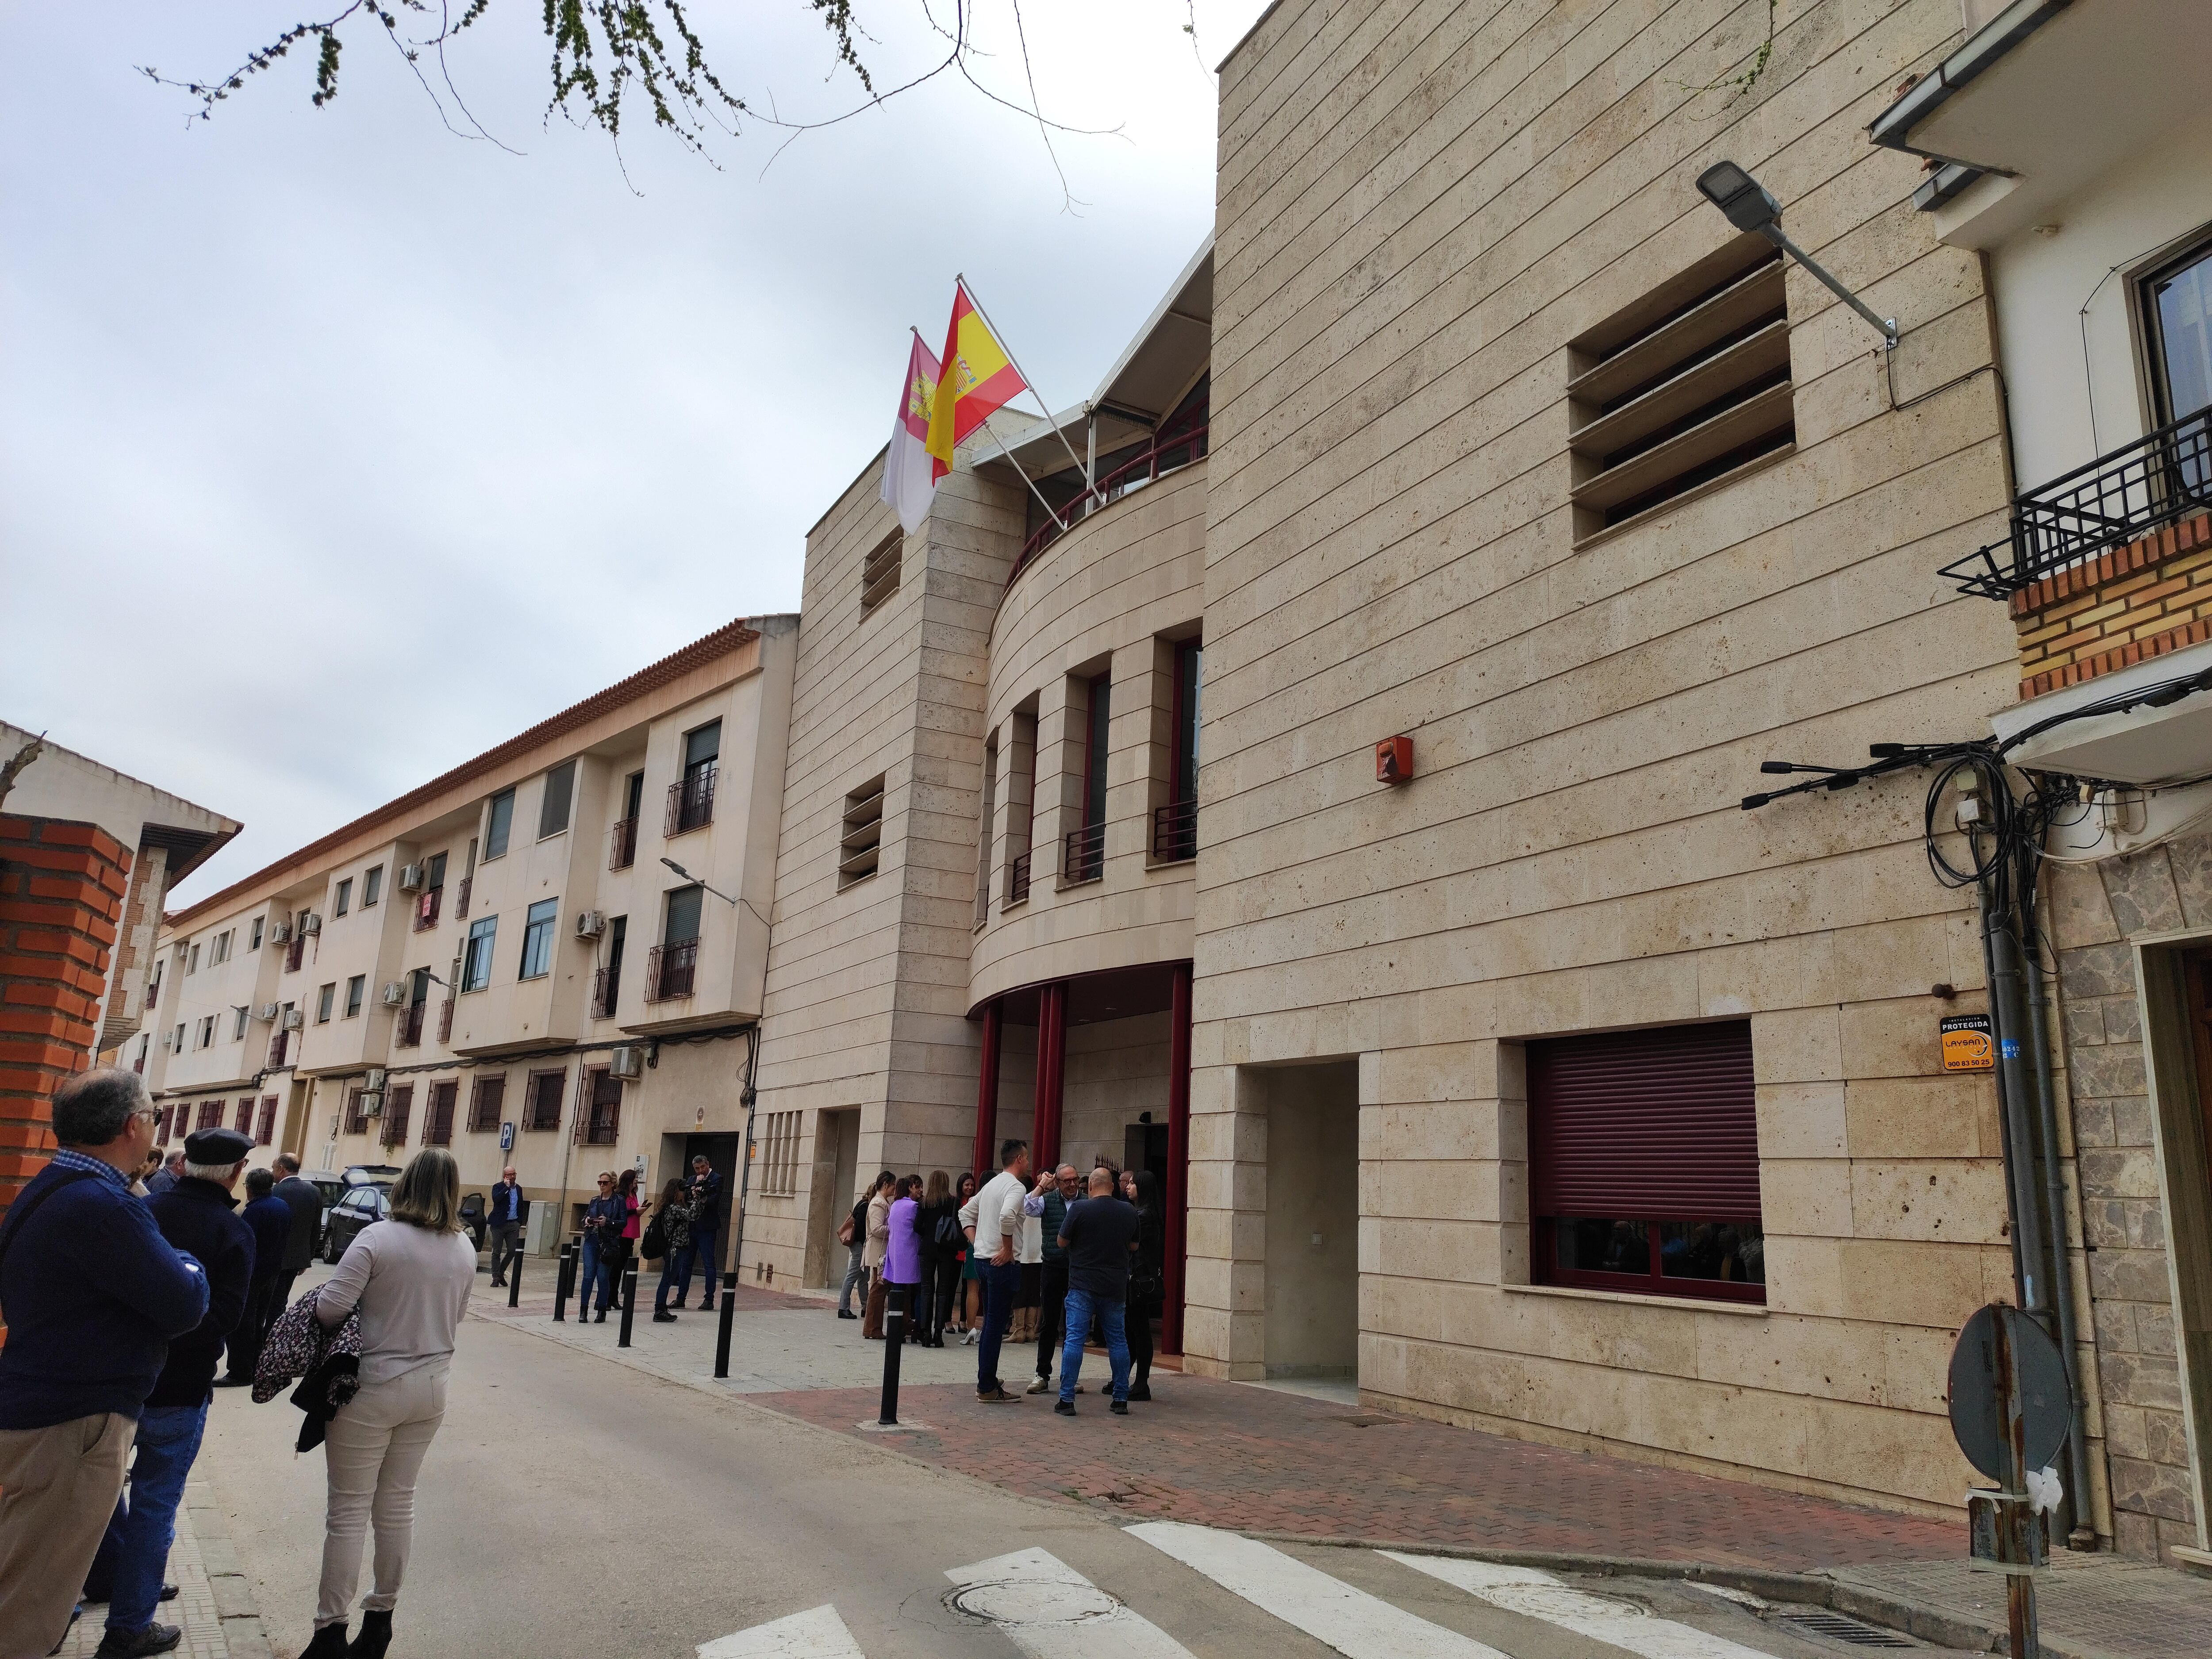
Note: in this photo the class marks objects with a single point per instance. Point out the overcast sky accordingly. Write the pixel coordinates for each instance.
(335, 449)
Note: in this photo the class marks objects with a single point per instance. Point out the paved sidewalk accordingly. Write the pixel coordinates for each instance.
(214, 1604)
(1300, 1465)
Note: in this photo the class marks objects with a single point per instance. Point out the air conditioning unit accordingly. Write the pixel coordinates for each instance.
(293, 1019)
(395, 995)
(168, 1039)
(411, 878)
(628, 1061)
(280, 933)
(310, 923)
(374, 1083)
(268, 1011)
(590, 924)
(372, 1105)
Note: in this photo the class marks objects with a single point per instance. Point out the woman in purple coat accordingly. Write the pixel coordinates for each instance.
(903, 1254)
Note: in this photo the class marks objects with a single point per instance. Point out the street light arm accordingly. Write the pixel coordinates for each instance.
(1885, 326)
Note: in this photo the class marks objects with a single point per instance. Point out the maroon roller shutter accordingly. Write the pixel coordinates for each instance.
(1651, 1125)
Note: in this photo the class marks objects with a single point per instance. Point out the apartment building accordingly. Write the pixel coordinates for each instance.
(551, 956)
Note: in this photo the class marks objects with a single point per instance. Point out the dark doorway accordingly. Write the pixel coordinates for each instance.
(1145, 1147)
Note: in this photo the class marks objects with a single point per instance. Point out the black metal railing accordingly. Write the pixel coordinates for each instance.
(606, 987)
(1175, 832)
(622, 851)
(670, 970)
(1086, 853)
(691, 801)
(1169, 452)
(2116, 499)
(1018, 879)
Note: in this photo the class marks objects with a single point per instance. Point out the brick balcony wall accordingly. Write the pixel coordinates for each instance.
(62, 889)
(2137, 602)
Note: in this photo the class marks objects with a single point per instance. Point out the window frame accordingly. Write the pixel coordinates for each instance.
(238, 1027)
(483, 930)
(341, 899)
(326, 1000)
(499, 825)
(256, 944)
(2158, 379)
(564, 794)
(356, 993)
(541, 925)
(493, 1086)
(372, 886)
(533, 1090)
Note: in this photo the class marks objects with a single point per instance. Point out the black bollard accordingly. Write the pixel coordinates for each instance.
(629, 1300)
(564, 1281)
(514, 1279)
(893, 1343)
(729, 1308)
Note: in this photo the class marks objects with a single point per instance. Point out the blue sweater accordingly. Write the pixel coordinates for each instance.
(270, 1220)
(92, 1293)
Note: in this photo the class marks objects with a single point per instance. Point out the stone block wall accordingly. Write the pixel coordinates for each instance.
(61, 899)
(2143, 600)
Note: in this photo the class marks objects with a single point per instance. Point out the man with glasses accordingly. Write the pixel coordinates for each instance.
(605, 1217)
(92, 1295)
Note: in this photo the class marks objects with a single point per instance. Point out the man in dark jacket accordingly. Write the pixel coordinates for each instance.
(307, 1202)
(194, 1215)
(92, 1294)
(508, 1210)
(162, 1179)
(268, 1218)
(709, 1208)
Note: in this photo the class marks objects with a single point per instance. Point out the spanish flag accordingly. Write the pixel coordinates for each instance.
(909, 485)
(978, 378)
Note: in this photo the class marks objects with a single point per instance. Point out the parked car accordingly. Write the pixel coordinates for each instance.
(360, 1205)
(332, 1186)
(472, 1218)
(371, 1174)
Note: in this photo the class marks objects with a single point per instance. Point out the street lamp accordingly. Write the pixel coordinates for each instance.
(1750, 206)
(716, 891)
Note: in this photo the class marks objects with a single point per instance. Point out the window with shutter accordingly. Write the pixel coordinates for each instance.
(438, 1127)
(396, 1105)
(265, 1135)
(486, 1103)
(1644, 1162)
(211, 1115)
(546, 1088)
(245, 1124)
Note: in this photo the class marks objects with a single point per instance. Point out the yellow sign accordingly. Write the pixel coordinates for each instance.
(1967, 1045)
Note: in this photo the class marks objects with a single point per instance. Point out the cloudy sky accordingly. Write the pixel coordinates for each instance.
(335, 448)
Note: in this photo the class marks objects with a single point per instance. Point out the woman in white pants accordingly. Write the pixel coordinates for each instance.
(410, 1277)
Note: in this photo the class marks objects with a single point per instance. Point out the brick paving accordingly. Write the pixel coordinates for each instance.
(1225, 1454)
(213, 1606)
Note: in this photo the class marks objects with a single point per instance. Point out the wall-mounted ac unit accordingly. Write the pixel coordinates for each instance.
(268, 1011)
(372, 1105)
(310, 923)
(293, 1019)
(628, 1061)
(395, 995)
(590, 924)
(411, 878)
(280, 933)
(374, 1083)
(168, 1039)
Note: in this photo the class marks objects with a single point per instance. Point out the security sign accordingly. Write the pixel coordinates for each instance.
(1967, 1045)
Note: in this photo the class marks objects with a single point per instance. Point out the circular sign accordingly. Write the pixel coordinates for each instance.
(2046, 1405)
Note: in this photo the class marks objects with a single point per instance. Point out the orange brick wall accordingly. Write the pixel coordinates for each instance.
(2142, 600)
(61, 899)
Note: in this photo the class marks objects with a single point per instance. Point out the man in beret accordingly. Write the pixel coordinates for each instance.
(194, 1215)
(92, 1294)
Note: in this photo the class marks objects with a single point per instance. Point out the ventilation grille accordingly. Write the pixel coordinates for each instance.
(1838, 1628)
(1682, 387)
(879, 572)
(862, 840)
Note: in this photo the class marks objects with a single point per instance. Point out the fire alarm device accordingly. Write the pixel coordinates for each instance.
(1966, 1042)
(1394, 760)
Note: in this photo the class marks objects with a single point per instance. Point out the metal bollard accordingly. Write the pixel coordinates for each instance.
(564, 1281)
(629, 1300)
(729, 1310)
(514, 1279)
(893, 1343)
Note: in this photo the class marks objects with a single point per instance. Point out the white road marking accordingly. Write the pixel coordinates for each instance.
(817, 1633)
(1050, 1611)
(1354, 1623)
(1534, 1594)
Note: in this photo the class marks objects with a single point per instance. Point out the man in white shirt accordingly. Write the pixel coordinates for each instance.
(1003, 1228)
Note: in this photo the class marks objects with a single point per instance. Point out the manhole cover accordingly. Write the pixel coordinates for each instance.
(1560, 1603)
(1837, 1627)
(1028, 1601)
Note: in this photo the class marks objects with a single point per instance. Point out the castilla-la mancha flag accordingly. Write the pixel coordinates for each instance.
(910, 481)
(978, 378)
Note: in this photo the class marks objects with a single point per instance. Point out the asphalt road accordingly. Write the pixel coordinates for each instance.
(571, 1506)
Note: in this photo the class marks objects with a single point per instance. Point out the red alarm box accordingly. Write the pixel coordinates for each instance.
(1394, 760)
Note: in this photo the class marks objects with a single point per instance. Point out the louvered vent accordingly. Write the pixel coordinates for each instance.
(1682, 389)
(879, 572)
(862, 840)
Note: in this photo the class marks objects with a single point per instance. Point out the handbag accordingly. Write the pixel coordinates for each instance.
(654, 1246)
(949, 1234)
(845, 1231)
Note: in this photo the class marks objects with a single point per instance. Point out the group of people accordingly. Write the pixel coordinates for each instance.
(682, 1231)
(123, 1294)
(1087, 1254)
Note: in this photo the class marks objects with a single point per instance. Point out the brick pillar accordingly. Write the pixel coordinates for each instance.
(62, 886)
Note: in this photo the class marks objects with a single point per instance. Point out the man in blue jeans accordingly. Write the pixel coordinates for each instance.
(1002, 1227)
(706, 1232)
(1098, 1234)
(194, 1215)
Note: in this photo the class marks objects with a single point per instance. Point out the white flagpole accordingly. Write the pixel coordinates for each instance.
(1017, 465)
(1089, 487)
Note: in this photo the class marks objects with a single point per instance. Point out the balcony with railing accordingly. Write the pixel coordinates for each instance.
(670, 970)
(621, 845)
(1169, 452)
(425, 909)
(1175, 832)
(691, 801)
(606, 988)
(1018, 879)
(409, 1033)
(1085, 859)
(277, 1046)
(446, 1021)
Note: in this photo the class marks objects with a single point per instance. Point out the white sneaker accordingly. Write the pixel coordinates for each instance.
(971, 1339)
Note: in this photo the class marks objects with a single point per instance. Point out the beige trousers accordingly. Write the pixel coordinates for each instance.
(58, 1487)
(373, 1451)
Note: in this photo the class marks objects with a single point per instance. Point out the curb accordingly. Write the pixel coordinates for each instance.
(243, 1634)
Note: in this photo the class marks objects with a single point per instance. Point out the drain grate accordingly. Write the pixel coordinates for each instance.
(1839, 1628)
(1369, 1421)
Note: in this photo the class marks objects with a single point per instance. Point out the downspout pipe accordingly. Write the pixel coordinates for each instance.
(2009, 1011)
(750, 1096)
(2015, 1232)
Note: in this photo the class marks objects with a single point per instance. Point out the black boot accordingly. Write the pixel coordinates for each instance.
(375, 1636)
(330, 1643)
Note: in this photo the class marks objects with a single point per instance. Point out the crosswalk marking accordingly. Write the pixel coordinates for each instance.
(1534, 1594)
(1050, 1611)
(817, 1633)
(1354, 1623)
